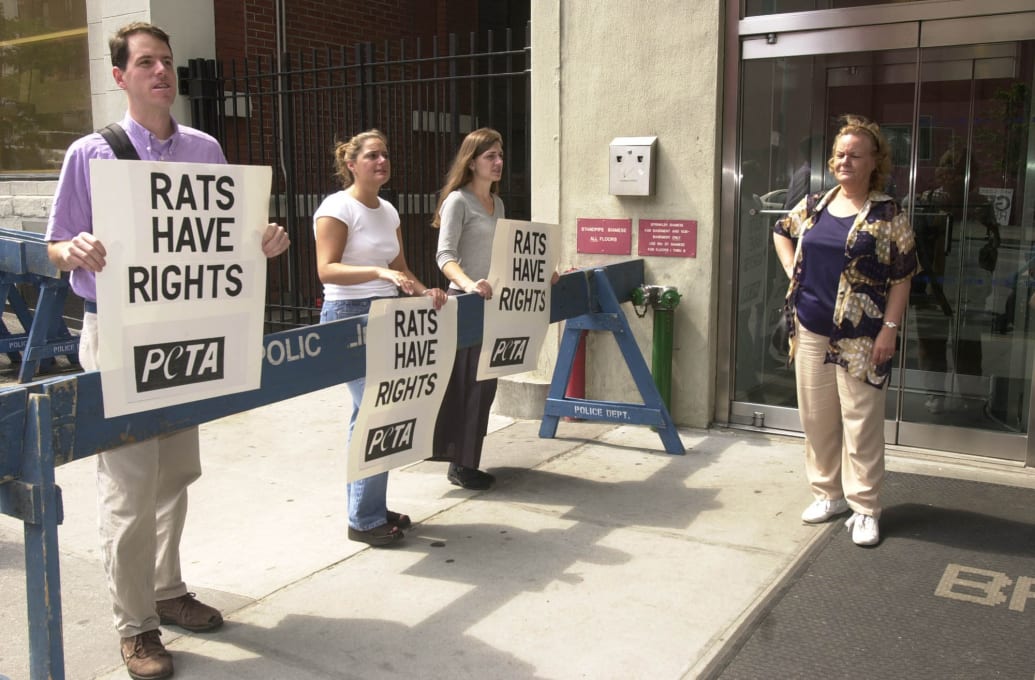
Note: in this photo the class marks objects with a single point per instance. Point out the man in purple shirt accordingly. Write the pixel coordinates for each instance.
(142, 488)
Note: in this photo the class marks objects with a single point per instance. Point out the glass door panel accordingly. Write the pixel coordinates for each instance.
(970, 334)
(959, 115)
(790, 105)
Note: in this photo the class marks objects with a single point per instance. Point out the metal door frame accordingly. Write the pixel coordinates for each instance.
(906, 26)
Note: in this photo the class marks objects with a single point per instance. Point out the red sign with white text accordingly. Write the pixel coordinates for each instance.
(668, 238)
(607, 237)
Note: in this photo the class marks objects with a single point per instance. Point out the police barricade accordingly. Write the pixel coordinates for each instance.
(23, 260)
(605, 314)
(55, 421)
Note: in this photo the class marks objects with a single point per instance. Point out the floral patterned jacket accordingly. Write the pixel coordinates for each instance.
(880, 251)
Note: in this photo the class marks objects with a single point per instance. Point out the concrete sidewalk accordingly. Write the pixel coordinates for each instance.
(597, 555)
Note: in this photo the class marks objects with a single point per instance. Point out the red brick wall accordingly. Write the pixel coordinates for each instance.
(247, 27)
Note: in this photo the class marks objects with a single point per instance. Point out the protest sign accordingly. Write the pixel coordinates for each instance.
(411, 347)
(180, 300)
(1002, 203)
(524, 259)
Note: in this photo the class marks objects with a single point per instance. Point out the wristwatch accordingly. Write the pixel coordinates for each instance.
(891, 324)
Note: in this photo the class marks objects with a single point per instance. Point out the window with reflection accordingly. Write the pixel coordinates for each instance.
(754, 8)
(44, 83)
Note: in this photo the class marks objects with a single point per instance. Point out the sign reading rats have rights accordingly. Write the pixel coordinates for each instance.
(524, 259)
(410, 351)
(180, 300)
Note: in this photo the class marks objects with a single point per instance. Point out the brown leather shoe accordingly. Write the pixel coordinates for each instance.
(188, 613)
(145, 656)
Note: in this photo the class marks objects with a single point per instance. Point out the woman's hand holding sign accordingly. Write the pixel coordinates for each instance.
(481, 286)
(437, 295)
(398, 279)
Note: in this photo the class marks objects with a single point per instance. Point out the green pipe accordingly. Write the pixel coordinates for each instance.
(664, 305)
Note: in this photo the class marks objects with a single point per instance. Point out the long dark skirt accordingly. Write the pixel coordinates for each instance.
(464, 417)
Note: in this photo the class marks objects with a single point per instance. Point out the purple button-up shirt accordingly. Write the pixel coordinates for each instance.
(72, 212)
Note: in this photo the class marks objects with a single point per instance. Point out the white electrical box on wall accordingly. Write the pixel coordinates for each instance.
(631, 166)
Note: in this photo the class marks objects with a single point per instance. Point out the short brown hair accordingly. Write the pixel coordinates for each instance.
(118, 44)
(864, 127)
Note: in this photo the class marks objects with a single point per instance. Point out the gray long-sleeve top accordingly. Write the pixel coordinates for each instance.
(466, 232)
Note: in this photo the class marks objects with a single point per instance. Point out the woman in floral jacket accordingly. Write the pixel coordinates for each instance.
(849, 255)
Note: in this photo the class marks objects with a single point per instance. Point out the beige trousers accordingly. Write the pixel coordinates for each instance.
(141, 510)
(843, 421)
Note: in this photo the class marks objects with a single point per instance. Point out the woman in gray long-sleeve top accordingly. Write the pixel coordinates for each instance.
(468, 208)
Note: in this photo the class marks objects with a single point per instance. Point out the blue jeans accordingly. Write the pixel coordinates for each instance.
(368, 503)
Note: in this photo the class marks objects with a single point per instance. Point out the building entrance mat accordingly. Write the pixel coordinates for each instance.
(948, 593)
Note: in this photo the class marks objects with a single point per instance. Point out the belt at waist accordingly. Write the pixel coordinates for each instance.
(89, 306)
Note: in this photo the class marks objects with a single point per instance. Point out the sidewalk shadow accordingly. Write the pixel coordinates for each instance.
(961, 529)
(319, 647)
(499, 564)
(662, 500)
(500, 573)
(669, 498)
(955, 513)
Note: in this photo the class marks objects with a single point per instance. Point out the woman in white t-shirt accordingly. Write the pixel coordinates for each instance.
(359, 258)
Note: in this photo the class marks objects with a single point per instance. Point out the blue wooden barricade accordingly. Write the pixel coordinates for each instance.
(605, 314)
(23, 260)
(55, 421)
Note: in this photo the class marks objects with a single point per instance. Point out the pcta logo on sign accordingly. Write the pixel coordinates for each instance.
(184, 362)
(508, 352)
(388, 439)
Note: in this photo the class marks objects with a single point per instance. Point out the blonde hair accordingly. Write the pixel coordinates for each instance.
(475, 144)
(348, 152)
(864, 127)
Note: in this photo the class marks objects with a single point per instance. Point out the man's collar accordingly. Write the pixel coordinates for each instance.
(135, 129)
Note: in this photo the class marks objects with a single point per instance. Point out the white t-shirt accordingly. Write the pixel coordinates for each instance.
(372, 242)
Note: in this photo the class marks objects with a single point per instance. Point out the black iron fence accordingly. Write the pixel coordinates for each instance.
(423, 94)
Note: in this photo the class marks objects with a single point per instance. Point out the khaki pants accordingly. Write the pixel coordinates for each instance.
(141, 509)
(843, 420)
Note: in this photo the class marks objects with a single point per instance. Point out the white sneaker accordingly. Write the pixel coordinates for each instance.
(824, 509)
(864, 529)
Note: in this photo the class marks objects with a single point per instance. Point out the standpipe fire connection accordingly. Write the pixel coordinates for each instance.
(663, 300)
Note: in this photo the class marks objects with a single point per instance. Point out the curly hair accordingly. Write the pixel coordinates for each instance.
(864, 127)
(348, 152)
(475, 144)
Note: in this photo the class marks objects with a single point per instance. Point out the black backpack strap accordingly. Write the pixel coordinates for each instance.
(119, 142)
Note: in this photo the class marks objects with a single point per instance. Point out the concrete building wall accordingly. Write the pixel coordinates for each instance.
(25, 204)
(610, 69)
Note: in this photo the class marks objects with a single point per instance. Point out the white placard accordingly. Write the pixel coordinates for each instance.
(180, 299)
(411, 348)
(524, 259)
(1002, 203)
